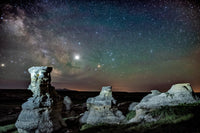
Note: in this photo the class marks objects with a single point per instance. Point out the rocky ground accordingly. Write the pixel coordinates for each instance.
(176, 119)
(182, 118)
(11, 101)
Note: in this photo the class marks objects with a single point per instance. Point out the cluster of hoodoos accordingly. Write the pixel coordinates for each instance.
(42, 112)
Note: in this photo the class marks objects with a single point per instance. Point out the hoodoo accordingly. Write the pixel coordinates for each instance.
(42, 112)
(100, 109)
(177, 94)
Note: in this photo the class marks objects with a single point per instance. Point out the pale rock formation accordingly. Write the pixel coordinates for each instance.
(132, 106)
(42, 112)
(100, 109)
(67, 101)
(178, 94)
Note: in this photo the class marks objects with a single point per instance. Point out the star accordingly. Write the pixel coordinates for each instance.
(77, 57)
(3, 65)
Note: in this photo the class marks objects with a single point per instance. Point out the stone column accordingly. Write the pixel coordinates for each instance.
(42, 112)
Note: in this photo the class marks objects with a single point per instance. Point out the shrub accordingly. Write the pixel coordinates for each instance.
(130, 115)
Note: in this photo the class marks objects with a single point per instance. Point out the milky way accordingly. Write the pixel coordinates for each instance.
(131, 45)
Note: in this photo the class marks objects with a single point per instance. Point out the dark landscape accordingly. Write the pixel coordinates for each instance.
(12, 99)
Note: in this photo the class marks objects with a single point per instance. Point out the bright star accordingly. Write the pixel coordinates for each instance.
(76, 57)
(3, 65)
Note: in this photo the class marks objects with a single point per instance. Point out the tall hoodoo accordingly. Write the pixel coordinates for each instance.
(42, 112)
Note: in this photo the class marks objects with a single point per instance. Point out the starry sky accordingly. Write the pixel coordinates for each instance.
(133, 45)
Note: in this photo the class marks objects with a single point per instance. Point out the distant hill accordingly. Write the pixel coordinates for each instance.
(64, 89)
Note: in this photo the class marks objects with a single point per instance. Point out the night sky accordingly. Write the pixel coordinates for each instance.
(135, 45)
